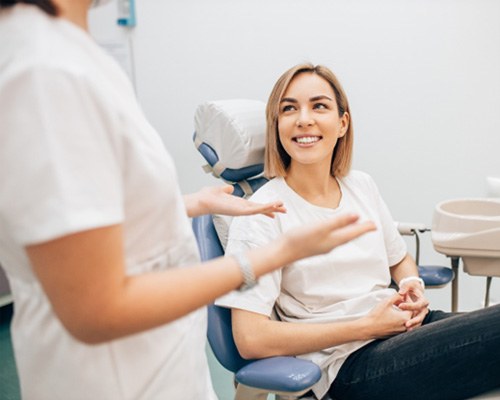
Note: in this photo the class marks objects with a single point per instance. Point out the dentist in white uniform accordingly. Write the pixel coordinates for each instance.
(94, 232)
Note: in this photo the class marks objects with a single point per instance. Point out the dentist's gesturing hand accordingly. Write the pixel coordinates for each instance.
(320, 238)
(219, 200)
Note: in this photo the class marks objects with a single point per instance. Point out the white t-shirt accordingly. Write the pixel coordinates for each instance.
(342, 285)
(76, 153)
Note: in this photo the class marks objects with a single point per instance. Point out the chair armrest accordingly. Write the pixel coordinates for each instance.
(409, 228)
(279, 374)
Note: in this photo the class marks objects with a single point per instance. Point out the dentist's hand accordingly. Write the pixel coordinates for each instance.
(322, 237)
(219, 200)
(306, 241)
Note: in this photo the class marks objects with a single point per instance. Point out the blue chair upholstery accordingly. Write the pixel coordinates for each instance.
(435, 276)
(229, 174)
(279, 375)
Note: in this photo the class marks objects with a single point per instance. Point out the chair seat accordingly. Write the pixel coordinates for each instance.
(435, 276)
(280, 374)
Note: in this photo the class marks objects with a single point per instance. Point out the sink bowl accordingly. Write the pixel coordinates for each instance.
(470, 229)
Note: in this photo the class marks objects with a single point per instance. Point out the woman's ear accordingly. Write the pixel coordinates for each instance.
(344, 124)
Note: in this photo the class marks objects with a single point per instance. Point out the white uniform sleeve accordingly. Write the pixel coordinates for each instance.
(59, 165)
(246, 233)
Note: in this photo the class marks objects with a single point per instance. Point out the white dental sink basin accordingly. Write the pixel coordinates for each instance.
(470, 229)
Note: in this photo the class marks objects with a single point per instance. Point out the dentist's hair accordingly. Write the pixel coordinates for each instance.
(277, 159)
(46, 5)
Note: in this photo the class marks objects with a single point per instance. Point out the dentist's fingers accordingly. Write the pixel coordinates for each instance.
(269, 209)
(322, 237)
(250, 207)
(344, 228)
(219, 200)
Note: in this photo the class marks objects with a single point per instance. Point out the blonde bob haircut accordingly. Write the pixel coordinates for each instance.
(277, 160)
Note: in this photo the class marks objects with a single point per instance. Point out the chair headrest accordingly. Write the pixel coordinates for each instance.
(230, 135)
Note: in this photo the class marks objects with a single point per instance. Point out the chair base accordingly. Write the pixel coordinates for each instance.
(244, 392)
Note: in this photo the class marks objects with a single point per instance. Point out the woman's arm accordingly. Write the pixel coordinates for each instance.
(219, 200)
(412, 290)
(403, 269)
(83, 275)
(257, 336)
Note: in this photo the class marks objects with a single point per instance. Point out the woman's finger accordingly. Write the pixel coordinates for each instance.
(417, 320)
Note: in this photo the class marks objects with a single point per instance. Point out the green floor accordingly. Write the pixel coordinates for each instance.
(9, 385)
(8, 378)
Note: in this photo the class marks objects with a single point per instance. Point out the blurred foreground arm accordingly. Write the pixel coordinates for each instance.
(83, 275)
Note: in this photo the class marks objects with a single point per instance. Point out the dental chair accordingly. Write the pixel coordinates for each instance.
(286, 377)
(230, 136)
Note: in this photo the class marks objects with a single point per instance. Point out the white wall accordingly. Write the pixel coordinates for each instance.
(423, 78)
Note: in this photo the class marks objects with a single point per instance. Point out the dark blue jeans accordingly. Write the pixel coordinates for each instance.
(452, 356)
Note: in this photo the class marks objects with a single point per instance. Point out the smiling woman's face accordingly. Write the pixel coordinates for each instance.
(308, 122)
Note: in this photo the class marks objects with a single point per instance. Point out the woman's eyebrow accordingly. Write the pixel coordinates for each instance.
(320, 97)
(312, 99)
(315, 98)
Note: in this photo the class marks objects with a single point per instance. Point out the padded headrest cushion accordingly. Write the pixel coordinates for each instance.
(234, 129)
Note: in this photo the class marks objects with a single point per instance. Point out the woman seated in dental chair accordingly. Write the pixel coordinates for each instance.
(338, 309)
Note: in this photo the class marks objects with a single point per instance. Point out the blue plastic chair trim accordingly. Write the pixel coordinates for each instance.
(434, 275)
(268, 374)
(254, 183)
(206, 238)
(219, 332)
(229, 174)
(221, 339)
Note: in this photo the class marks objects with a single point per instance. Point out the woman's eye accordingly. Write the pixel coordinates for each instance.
(320, 106)
(288, 107)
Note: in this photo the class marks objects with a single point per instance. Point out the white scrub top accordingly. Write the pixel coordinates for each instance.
(76, 153)
(343, 285)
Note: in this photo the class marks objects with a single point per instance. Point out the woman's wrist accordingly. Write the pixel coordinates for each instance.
(408, 279)
(270, 257)
(192, 204)
(364, 329)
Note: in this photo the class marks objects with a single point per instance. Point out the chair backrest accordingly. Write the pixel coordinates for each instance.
(220, 335)
(230, 136)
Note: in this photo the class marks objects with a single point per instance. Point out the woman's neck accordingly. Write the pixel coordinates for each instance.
(75, 11)
(316, 185)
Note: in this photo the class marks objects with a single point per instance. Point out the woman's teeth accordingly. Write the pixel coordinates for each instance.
(307, 139)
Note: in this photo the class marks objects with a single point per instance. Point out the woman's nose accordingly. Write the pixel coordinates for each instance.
(302, 122)
(304, 119)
